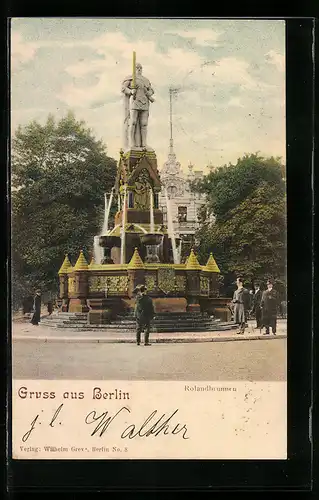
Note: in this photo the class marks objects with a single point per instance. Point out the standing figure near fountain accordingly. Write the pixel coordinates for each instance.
(144, 313)
(138, 93)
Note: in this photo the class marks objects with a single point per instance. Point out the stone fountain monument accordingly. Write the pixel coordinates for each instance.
(139, 249)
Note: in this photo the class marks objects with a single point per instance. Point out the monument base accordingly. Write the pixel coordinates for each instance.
(217, 306)
(222, 313)
(193, 308)
(170, 304)
(78, 305)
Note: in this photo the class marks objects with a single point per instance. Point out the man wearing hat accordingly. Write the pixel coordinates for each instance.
(241, 301)
(268, 304)
(256, 305)
(144, 313)
(36, 308)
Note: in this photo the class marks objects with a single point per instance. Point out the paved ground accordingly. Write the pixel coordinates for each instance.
(260, 360)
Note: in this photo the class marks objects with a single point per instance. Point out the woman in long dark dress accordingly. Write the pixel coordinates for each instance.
(36, 308)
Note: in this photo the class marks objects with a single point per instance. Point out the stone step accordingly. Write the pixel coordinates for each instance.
(102, 328)
(155, 328)
(69, 314)
(68, 321)
(132, 324)
(164, 322)
(124, 321)
(167, 315)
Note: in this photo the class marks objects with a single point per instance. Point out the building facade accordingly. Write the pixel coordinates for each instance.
(177, 198)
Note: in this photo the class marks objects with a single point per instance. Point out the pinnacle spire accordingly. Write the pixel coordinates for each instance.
(211, 265)
(81, 264)
(192, 261)
(92, 263)
(66, 266)
(136, 261)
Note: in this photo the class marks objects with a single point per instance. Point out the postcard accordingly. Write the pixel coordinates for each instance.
(148, 193)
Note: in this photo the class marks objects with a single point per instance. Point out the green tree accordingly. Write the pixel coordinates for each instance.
(248, 235)
(60, 173)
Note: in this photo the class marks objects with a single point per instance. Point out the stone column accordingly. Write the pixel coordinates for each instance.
(215, 305)
(64, 292)
(193, 269)
(78, 303)
(63, 282)
(193, 291)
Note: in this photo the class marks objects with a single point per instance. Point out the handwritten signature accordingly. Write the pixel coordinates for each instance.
(101, 422)
(132, 431)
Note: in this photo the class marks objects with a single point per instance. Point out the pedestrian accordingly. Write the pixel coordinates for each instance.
(256, 305)
(268, 304)
(35, 317)
(144, 313)
(251, 300)
(241, 301)
(50, 307)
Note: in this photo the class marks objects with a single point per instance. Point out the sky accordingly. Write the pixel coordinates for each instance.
(230, 75)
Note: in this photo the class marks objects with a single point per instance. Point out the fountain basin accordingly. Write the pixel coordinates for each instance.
(109, 241)
(151, 239)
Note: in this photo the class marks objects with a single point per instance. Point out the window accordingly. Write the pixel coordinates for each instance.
(130, 199)
(182, 214)
(155, 200)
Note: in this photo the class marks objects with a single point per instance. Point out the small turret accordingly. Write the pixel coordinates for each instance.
(66, 266)
(81, 264)
(211, 265)
(192, 262)
(136, 261)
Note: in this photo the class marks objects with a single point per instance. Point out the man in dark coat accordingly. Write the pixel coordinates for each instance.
(256, 305)
(241, 299)
(36, 308)
(144, 313)
(268, 304)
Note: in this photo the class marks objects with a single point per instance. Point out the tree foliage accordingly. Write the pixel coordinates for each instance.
(248, 236)
(60, 173)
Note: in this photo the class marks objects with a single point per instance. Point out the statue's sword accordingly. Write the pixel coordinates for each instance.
(134, 73)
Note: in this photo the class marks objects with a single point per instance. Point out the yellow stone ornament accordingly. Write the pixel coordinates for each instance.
(66, 266)
(81, 264)
(211, 265)
(192, 262)
(136, 261)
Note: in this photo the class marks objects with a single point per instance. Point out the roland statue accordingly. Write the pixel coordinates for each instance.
(138, 93)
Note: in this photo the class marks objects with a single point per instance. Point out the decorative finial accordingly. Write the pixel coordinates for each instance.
(211, 265)
(92, 263)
